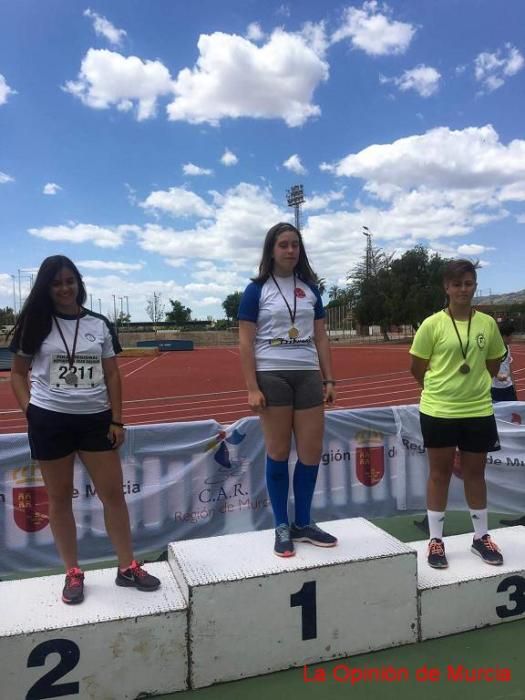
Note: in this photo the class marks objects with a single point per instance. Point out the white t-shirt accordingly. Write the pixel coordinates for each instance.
(504, 368)
(50, 367)
(263, 304)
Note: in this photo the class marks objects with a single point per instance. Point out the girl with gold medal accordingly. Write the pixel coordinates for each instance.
(286, 363)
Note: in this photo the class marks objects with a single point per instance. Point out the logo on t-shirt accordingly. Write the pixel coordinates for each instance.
(480, 340)
(299, 293)
(90, 337)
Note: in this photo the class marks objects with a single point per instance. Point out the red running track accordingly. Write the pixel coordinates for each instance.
(207, 383)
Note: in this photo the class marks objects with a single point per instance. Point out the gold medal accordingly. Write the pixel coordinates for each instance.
(293, 332)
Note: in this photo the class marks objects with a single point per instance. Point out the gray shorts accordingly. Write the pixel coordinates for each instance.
(301, 388)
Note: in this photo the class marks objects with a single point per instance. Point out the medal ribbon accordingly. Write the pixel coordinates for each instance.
(70, 356)
(465, 351)
(292, 314)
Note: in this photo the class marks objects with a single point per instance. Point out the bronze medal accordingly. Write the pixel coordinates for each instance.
(293, 332)
(465, 367)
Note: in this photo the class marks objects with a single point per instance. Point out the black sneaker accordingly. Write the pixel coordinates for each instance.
(73, 591)
(312, 533)
(137, 577)
(283, 544)
(436, 554)
(487, 550)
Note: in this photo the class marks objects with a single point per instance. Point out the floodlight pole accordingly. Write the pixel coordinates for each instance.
(368, 259)
(295, 197)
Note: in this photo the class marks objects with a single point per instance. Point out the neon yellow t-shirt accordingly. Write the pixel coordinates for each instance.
(447, 392)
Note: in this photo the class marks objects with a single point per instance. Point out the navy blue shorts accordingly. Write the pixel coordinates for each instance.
(467, 434)
(507, 393)
(53, 435)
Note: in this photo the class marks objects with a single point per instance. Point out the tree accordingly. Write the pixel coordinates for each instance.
(401, 291)
(231, 305)
(7, 316)
(155, 307)
(178, 314)
(321, 285)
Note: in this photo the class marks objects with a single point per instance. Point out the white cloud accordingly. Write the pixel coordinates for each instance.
(472, 249)
(110, 265)
(51, 188)
(294, 164)
(423, 79)
(254, 32)
(492, 69)
(228, 158)
(373, 31)
(520, 218)
(317, 202)
(109, 79)
(103, 27)
(5, 90)
(178, 201)
(4, 177)
(242, 216)
(192, 169)
(83, 233)
(470, 158)
(234, 78)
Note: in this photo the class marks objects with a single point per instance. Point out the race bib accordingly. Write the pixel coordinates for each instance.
(86, 372)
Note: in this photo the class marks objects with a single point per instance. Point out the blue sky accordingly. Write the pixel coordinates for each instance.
(153, 142)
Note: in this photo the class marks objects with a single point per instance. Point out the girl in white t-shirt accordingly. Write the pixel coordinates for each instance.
(503, 388)
(66, 380)
(285, 357)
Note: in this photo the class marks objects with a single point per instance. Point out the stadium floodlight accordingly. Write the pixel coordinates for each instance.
(295, 197)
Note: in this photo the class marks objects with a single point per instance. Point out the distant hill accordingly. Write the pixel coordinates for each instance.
(501, 299)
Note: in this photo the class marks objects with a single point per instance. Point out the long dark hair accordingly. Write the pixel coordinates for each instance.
(34, 322)
(303, 269)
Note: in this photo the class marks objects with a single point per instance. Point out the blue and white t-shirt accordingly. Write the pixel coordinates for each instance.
(264, 305)
(49, 366)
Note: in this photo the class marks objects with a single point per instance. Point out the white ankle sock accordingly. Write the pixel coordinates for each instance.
(436, 520)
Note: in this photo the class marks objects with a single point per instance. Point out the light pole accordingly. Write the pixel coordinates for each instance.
(295, 197)
(368, 259)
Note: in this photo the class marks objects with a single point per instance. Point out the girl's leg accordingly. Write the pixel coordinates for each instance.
(308, 427)
(58, 478)
(277, 430)
(106, 471)
(441, 461)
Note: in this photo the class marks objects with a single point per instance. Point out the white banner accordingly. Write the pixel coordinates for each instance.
(186, 480)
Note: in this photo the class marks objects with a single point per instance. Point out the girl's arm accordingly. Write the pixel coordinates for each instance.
(20, 380)
(114, 386)
(325, 360)
(247, 332)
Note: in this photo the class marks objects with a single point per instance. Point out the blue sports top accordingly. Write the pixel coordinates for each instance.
(264, 305)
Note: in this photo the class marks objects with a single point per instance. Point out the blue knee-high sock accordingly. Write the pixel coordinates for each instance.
(278, 482)
(304, 478)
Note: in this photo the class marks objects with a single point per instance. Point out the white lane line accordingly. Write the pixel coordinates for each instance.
(142, 366)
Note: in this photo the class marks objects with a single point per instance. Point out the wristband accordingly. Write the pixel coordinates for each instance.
(114, 422)
(329, 381)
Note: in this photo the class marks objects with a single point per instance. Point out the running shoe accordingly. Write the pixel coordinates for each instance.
(313, 534)
(283, 546)
(73, 591)
(488, 550)
(436, 557)
(136, 577)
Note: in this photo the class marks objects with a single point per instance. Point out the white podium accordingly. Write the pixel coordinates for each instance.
(470, 593)
(253, 613)
(117, 644)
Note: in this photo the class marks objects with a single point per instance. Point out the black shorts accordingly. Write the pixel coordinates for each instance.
(54, 435)
(467, 434)
(301, 388)
(507, 393)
